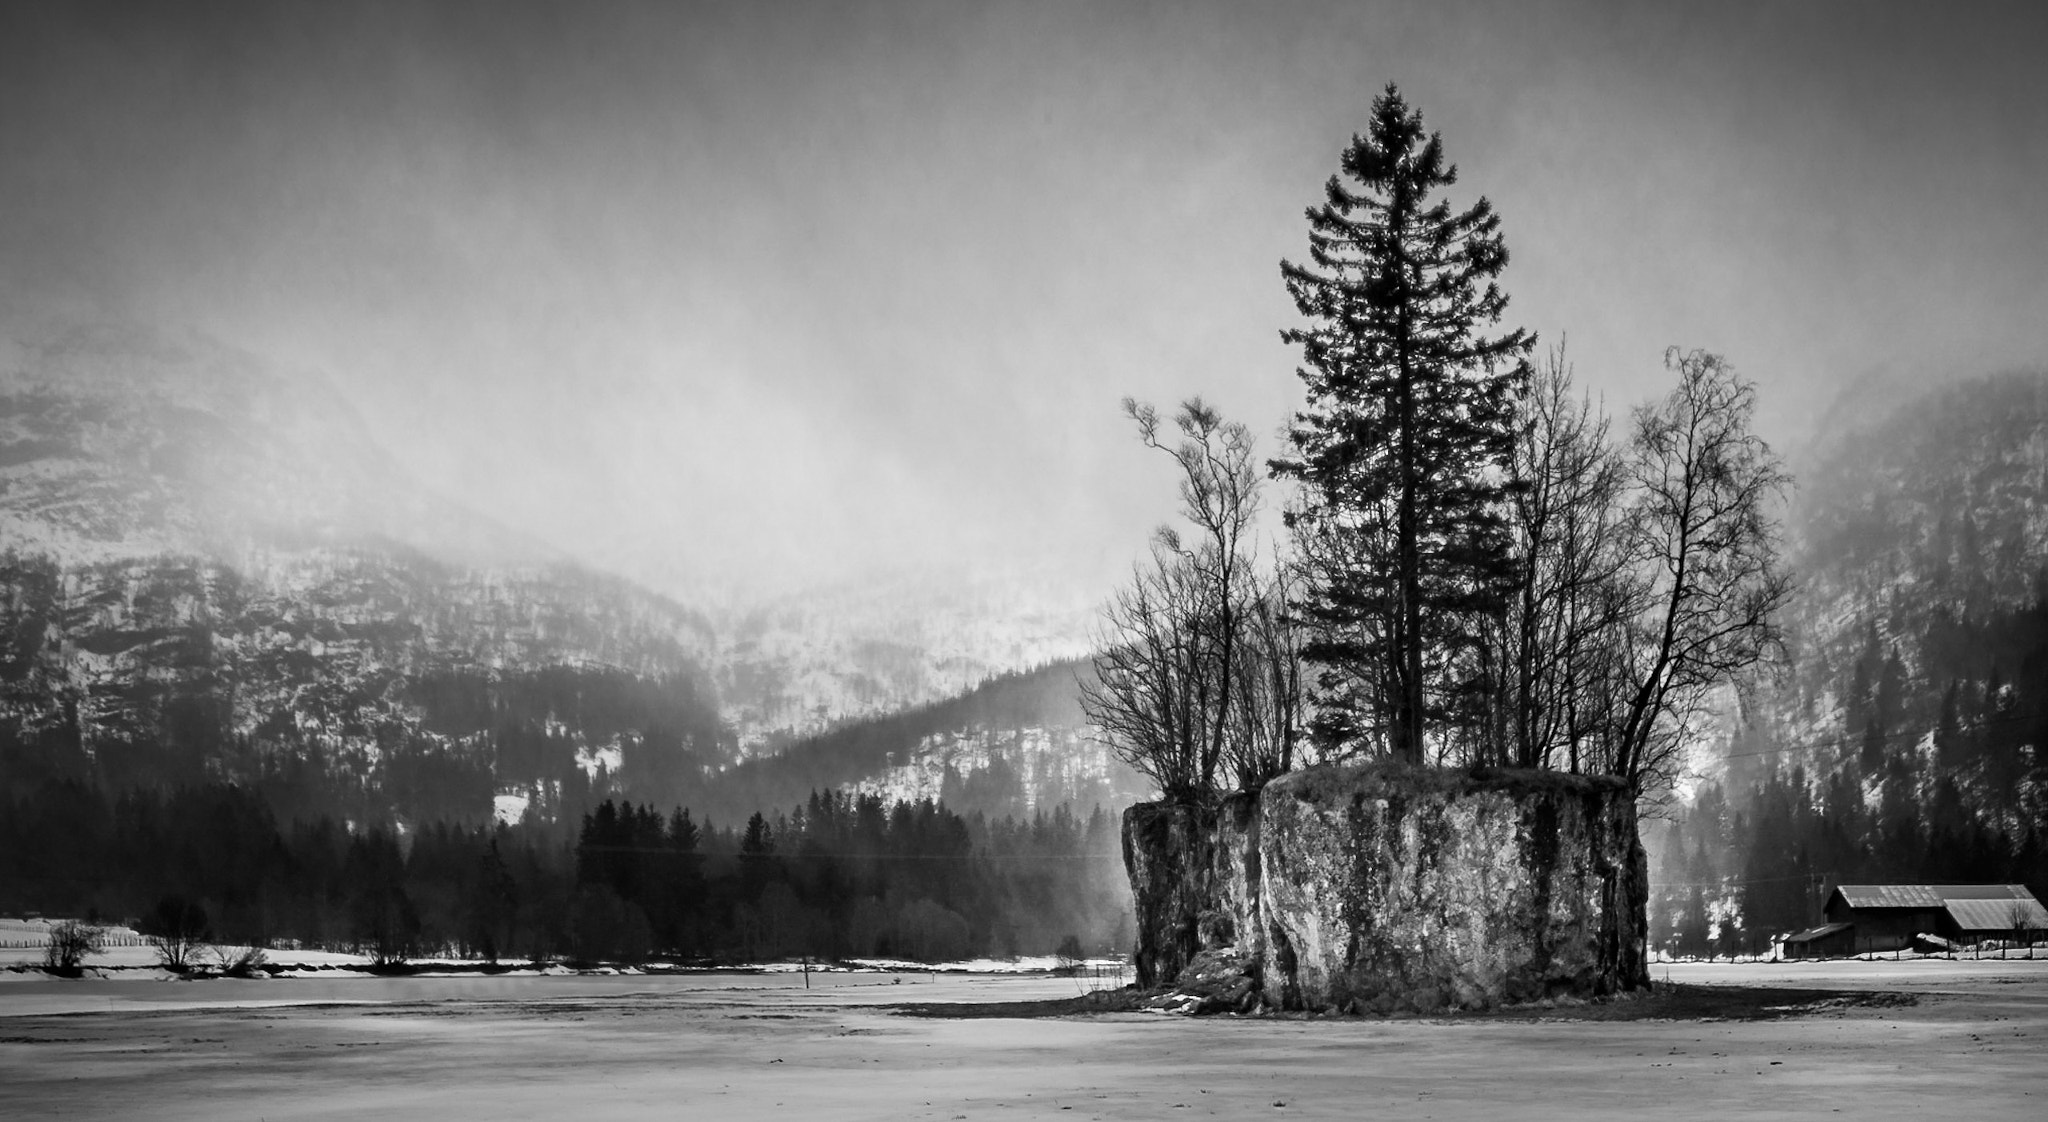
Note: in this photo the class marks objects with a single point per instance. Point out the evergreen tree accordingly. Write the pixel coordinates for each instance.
(493, 906)
(1403, 446)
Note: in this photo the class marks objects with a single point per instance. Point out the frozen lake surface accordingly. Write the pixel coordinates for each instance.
(758, 1046)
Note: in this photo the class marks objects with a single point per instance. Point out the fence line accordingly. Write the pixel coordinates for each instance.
(40, 942)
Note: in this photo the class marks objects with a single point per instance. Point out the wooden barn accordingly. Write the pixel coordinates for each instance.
(1886, 917)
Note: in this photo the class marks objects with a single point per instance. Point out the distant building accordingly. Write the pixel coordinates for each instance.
(1829, 940)
(1886, 917)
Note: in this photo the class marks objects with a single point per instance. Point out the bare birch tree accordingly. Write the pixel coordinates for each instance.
(1269, 707)
(1703, 533)
(1144, 694)
(1183, 684)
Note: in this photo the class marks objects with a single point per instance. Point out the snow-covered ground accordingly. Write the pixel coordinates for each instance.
(767, 1045)
(22, 942)
(1909, 974)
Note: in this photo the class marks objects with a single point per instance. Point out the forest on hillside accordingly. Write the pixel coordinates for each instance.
(1902, 741)
(400, 854)
(1958, 799)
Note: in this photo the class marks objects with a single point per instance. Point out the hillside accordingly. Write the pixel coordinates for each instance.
(1017, 744)
(1932, 517)
(209, 570)
(795, 664)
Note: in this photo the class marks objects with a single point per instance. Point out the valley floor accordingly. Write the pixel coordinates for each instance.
(1975, 1041)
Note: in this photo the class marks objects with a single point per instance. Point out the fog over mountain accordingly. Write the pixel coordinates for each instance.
(168, 466)
(758, 298)
(125, 441)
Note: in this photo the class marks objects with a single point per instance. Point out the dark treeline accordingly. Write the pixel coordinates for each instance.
(1929, 781)
(836, 876)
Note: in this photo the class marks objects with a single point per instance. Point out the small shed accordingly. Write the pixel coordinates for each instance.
(1829, 940)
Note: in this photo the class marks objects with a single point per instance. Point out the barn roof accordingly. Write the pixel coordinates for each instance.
(1997, 914)
(1974, 907)
(1889, 895)
(1813, 933)
(1983, 891)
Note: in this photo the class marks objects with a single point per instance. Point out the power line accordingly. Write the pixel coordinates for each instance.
(1733, 881)
(662, 850)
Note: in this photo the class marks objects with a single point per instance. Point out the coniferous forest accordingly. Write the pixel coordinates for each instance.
(834, 877)
(1940, 784)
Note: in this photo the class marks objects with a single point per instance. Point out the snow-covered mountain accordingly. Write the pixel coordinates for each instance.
(1017, 744)
(999, 771)
(209, 568)
(1923, 518)
(801, 662)
(121, 441)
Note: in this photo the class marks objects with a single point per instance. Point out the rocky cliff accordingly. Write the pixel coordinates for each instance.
(1383, 887)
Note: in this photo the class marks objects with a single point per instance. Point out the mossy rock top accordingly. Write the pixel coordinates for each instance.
(1329, 783)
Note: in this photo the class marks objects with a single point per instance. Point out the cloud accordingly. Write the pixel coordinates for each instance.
(775, 291)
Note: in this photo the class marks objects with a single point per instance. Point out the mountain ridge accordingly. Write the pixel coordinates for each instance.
(208, 568)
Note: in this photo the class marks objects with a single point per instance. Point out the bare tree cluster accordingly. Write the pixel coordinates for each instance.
(1199, 673)
(1647, 575)
(1554, 652)
(1650, 572)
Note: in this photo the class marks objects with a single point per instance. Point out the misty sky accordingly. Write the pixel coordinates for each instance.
(775, 292)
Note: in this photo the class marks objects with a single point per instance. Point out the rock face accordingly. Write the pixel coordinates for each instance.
(1167, 851)
(1385, 887)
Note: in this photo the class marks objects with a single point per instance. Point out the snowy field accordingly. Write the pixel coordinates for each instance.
(125, 952)
(1975, 1042)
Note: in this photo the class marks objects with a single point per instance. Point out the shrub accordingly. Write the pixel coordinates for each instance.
(1070, 955)
(240, 962)
(70, 943)
(176, 927)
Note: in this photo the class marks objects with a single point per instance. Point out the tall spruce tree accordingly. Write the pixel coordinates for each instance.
(1401, 451)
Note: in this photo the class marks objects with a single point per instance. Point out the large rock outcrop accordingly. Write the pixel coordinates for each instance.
(1384, 887)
